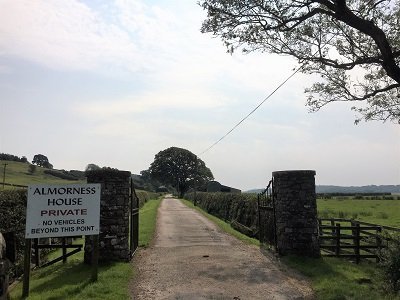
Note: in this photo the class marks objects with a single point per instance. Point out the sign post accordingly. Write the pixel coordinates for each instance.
(27, 268)
(95, 258)
(60, 211)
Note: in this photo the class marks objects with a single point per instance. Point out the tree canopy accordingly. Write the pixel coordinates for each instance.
(354, 45)
(92, 167)
(42, 161)
(180, 168)
(11, 157)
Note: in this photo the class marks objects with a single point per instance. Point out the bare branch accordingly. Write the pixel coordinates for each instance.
(333, 38)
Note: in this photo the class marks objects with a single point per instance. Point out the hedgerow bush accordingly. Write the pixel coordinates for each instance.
(241, 208)
(61, 174)
(12, 219)
(145, 196)
(390, 264)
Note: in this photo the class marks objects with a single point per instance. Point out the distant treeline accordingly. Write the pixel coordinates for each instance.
(11, 157)
(372, 190)
(352, 194)
(358, 196)
(358, 190)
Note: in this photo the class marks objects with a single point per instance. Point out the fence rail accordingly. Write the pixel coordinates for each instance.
(352, 238)
(14, 185)
(63, 243)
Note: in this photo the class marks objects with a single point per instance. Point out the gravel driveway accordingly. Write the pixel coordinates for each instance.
(191, 258)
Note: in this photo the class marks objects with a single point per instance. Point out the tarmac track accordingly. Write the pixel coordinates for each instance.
(193, 259)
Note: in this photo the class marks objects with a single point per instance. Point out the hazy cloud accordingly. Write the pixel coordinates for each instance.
(122, 80)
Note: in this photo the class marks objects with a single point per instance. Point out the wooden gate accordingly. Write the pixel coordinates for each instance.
(134, 220)
(63, 243)
(266, 216)
(354, 239)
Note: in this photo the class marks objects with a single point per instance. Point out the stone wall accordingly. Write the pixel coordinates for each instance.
(114, 215)
(296, 213)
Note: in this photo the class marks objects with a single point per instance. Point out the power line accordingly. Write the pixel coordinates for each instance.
(257, 107)
(265, 99)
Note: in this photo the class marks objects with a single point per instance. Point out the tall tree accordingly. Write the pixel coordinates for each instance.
(42, 161)
(180, 168)
(354, 45)
(92, 167)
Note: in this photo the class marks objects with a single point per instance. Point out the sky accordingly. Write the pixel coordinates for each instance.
(115, 82)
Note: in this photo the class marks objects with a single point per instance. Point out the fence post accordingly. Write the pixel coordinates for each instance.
(320, 227)
(333, 224)
(378, 242)
(357, 244)
(337, 250)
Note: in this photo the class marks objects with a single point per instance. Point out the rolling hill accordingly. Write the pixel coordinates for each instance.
(17, 173)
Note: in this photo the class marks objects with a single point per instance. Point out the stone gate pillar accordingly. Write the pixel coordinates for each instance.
(296, 212)
(114, 215)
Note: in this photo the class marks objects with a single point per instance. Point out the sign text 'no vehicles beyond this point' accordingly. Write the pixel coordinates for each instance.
(62, 210)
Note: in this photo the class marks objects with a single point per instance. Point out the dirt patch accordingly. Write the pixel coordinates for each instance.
(191, 258)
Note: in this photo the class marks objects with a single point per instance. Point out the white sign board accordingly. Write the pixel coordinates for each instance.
(62, 210)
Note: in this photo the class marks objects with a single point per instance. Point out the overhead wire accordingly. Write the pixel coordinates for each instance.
(253, 111)
(263, 101)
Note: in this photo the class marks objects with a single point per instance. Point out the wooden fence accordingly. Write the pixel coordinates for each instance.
(63, 243)
(352, 239)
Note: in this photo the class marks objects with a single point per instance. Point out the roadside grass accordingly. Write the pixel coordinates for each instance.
(334, 278)
(223, 225)
(72, 280)
(17, 173)
(382, 212)
(331, 278)
(147, 222)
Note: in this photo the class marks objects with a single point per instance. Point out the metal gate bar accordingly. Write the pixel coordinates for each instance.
(134, 220)
(266, 216)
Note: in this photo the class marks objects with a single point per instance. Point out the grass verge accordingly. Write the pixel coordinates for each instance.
(334, 278)
(72, 280)
(223, 225)
(147, 222)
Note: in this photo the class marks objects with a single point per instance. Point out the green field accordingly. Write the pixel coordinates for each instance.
(17, 173)
(382, 212)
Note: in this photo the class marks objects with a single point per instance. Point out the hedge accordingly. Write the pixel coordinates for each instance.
(233, 208)
(145, 196)
(12, 212)
(61, 174)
